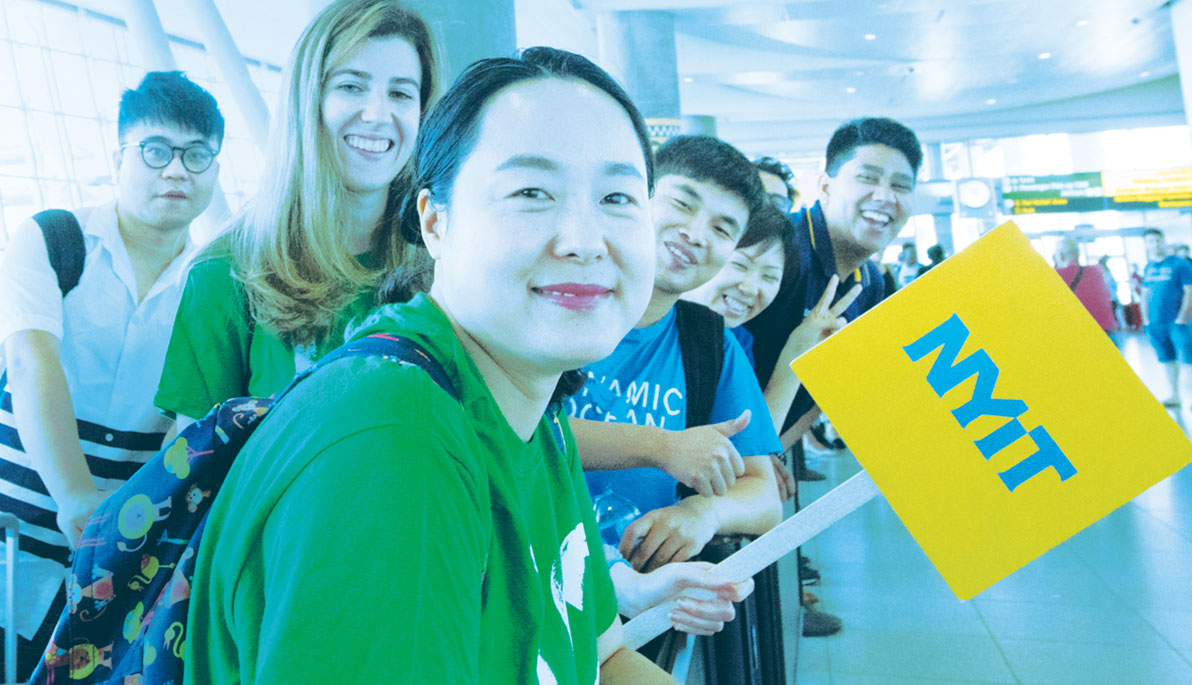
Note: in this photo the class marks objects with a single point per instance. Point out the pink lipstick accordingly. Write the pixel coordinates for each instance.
(574, 296)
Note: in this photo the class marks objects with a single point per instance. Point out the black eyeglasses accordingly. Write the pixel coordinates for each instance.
(196, 158)
(781, 202)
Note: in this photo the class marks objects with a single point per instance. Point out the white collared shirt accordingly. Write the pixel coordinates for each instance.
(112, 347)
(112, 351)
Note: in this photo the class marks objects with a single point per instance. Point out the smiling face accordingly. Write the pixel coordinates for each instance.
(371, 111)
(698, 225)
(868, 201)
(168, 198)
(746, 285)
(544, 253)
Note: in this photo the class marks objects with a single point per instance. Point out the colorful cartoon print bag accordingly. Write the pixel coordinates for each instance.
(129, 589)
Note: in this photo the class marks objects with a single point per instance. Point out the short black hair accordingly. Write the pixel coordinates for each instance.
(872, 131)
(711, 160)
(774, 166)
(766, 225)
(935, 253)
(1153, 231)
(168, 97)
(449, 133)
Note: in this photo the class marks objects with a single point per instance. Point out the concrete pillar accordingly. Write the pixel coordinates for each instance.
(468, 30)
(1181, 28)
(698, 125)
(219, 44)
(638, 48)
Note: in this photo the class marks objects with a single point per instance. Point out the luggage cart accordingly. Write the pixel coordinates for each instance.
(11, 538)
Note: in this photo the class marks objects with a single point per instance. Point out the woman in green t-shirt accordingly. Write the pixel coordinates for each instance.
(374, 529)
(310, 249)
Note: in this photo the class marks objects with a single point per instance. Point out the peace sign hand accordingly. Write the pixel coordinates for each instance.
(824, 319)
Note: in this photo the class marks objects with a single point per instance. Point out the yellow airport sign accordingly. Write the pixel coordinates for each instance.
(992, 411)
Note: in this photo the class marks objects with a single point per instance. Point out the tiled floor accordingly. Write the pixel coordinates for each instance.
(1111, 605)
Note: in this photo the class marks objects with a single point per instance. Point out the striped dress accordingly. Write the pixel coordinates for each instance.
(112, 351)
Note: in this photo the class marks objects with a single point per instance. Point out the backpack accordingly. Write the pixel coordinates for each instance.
(129, 589)
(64, 244)
(701, 342)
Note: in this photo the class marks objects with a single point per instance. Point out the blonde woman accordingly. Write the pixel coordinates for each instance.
(308, 253)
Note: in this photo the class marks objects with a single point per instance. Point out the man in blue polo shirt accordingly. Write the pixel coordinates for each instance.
(865, 200)
(1166, 296)
(633, 409)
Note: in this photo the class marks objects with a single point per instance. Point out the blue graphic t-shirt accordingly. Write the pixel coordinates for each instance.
(1164, 282)
(642, 382)
(745, 338)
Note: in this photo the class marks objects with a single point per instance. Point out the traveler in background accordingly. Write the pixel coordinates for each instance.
(1166, 307)
(1181, 251)
(370, 499)
(1112, 286)
(82, 363)
(908, 266)
(1088, 283)
(310, 250)
(937, 255)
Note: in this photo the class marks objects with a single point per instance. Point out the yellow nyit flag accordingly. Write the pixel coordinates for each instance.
(993, 413)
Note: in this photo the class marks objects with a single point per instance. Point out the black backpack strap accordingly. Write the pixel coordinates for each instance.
(701, 341)
(64, 243)
(1076, 281)
(392, 347)
(401, 349)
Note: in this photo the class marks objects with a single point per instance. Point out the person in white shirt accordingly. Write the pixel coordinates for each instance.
(908, 265)
(80, 364)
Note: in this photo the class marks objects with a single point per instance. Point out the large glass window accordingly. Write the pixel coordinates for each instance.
(62, 71)
(1160, 148)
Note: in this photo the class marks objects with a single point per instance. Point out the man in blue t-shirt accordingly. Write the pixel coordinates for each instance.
(1166, 295)
(633, 409)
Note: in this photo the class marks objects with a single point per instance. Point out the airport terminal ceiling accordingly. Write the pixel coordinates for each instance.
(779, 76)
(787, 72)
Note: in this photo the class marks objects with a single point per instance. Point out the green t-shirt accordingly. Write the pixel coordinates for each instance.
(216, 351)
(375, 530)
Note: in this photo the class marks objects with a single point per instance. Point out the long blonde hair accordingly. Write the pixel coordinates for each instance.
(288, 250)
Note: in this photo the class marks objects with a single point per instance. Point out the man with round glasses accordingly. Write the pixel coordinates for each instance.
(87, 303)
(157, 154)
